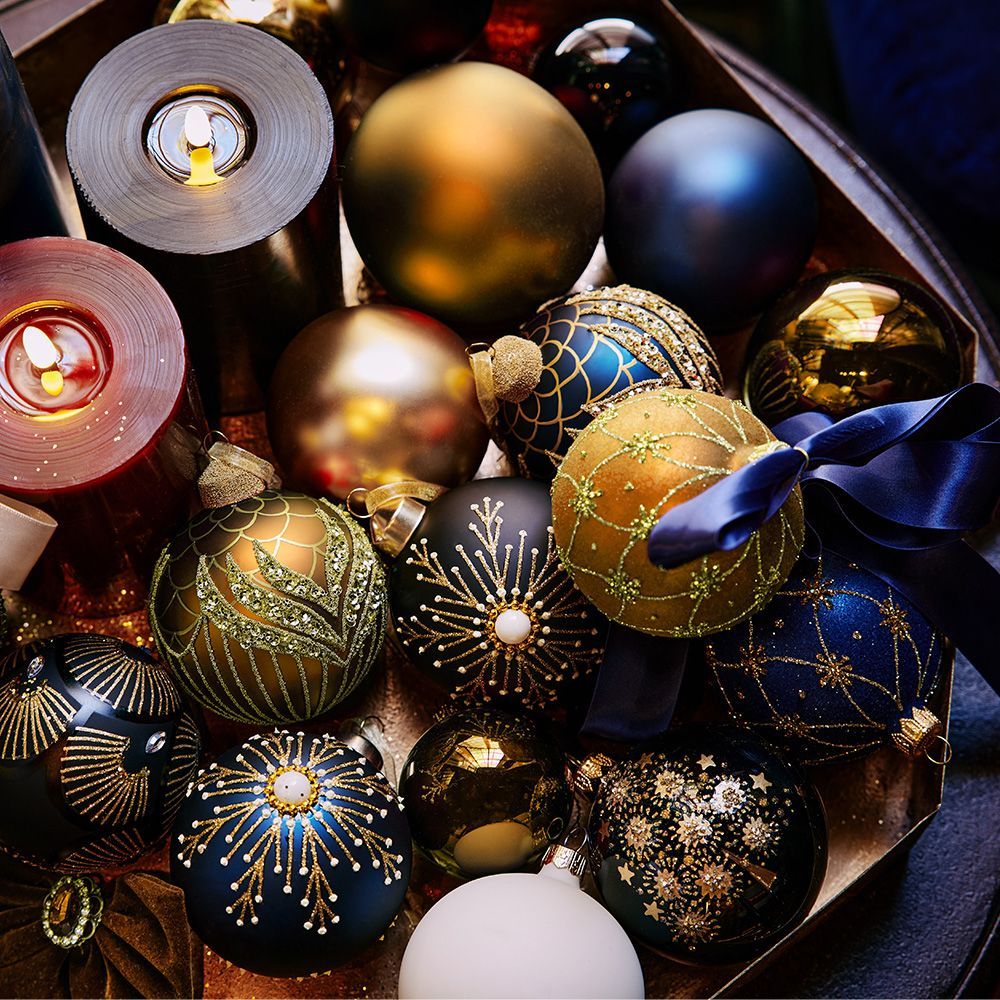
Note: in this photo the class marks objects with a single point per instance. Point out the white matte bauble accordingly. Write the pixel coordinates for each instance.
(518, 935)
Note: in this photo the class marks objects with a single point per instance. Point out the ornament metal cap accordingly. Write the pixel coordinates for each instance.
(394, 512)
(355, 734)
(918, 732)
(571, 853)
(234, 474)
(590, 773)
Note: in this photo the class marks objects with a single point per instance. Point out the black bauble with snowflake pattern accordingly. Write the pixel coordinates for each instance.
(709, 847)
(482, 604)
(293, 853)
(96, 751)
(837, 664)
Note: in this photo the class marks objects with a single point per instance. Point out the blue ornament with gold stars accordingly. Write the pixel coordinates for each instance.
(709, 846)
(838, 664)
(293, 853)
(96, 752)
(577, 353)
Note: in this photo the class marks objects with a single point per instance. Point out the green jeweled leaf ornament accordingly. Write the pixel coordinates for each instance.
(271, 609)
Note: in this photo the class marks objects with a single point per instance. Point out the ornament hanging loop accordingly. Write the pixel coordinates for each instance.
(947, 751)
(393, 512)
(571, 853)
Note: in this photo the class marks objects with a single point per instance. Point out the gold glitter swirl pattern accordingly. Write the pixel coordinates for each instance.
(32, 717)
(96, 782)
(257, 833)
(135, 686)
(641, 456)
(270, 610)
(466, 596)
(595, 345)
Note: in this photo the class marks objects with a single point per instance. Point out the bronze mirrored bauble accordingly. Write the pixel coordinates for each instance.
(484, 791)
(471, 193)
(374, 395)
(709, 846)
(272, 609)
(847, 340)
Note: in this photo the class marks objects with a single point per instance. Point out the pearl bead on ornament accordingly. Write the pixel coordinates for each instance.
(512, 626)
(292, 787)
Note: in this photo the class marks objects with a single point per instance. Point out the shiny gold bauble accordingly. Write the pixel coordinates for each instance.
(271, 609)
(485, 792)
(846, 340)
(374, 395)
(305, 25)
(472, 194)
(641, 456)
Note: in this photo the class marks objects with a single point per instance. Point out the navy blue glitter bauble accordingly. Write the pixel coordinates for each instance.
(713, 209)
(96, 751)
(837, 664)
(293, 853)
(596, 345)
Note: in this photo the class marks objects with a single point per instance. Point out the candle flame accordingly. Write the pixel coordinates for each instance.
(197, 127)
(40, 350)
(52, 382)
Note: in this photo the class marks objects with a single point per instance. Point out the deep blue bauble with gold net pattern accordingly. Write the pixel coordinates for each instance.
(595, 345)
(837, 664)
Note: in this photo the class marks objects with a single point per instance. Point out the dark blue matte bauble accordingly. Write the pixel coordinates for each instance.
(293, 853)
(96, 751)
(595, 345)
(837, 664)
(713, 209)
(614, 77)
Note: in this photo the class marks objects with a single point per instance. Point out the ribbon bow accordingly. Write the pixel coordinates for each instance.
(894, 488)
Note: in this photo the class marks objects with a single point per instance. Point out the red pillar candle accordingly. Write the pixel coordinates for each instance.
(100, 422)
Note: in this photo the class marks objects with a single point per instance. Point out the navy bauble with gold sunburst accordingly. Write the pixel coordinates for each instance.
(595, 345)
(837, 664)
(708, 846)
(96, 751)
(293, 853)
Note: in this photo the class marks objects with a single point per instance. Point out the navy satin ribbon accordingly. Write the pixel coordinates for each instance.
(893, 488)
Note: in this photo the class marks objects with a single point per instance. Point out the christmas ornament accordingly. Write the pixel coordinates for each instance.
(714, 210)
(710, 847)
(373, 395)
(485, 792)
(482, 604)
(837, 663)
(96, 751)
(293, 854)
(457, 194)
(613, 76)
(552, 939)
(75, 938)
(269, 609)
(592, 346)
(848, 340)
(641, 456)
(404, 36)
(306, 25)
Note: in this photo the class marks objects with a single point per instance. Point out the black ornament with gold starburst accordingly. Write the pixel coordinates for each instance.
(293, 853)
(482, 604)
(837, 664)
(709, 846)
(96, 751)
(485, 792)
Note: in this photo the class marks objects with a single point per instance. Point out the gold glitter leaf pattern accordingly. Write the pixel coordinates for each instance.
(301, 848)
(32, 718)
(468, 593)
(95, 781)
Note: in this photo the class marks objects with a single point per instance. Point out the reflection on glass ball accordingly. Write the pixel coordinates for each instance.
(614, 77)
(847, 340)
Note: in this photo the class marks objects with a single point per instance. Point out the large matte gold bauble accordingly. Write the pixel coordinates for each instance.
(305, 25)
(847, 340)
(640, 457)
(374, 395)
(271, 609)
(485, 792)
(472, 194)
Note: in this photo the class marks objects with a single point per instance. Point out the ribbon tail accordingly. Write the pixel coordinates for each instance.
(954, 587)
(637, 686)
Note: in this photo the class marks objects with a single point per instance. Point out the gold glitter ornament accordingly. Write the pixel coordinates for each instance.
(271, 609)
(642, 455)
